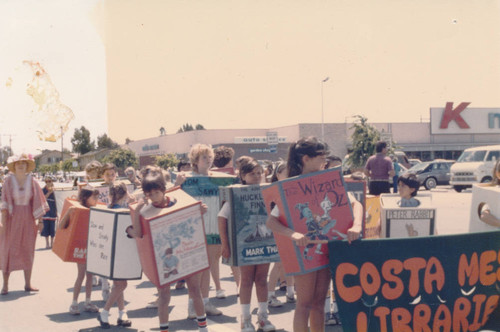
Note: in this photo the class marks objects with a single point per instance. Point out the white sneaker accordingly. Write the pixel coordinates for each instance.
(246, 324)
(191, 311)
(273, 302)
(211, 310)
(220, 294)
(264, 324)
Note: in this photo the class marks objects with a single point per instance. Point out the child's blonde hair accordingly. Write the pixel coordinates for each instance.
(196, 151)
(93, 166)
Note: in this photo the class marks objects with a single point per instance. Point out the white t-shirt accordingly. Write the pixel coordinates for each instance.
(225, 211)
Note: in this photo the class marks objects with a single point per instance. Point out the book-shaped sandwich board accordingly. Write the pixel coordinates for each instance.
(316, 205)
(206, 189)
(371, 229)
(402, 222)
(173, 245)
(70, 243)
(250, 241)
(356, 189)
(484, 196)
(110, 253)
(69, 192)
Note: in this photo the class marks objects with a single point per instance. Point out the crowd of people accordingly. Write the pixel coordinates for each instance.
(24, 202)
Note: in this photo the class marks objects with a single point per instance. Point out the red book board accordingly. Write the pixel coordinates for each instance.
(178, 229)
(314, 204)
(70, 243)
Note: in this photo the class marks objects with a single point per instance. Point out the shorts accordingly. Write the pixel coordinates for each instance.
(379, 187)
(213, 239)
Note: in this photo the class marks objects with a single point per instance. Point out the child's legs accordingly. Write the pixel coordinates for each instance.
(261, 272)
(214, 255)
(311, 293)
(163, 301)
(236, 275)
(88, 285)
(273, 276)
(79, 280)
(246, 283)
(194, 290)
(117, 290)
(205, 283)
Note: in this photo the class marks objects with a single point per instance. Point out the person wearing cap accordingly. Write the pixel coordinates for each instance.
(22, 204)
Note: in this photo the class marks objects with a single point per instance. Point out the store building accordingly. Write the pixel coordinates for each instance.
(449, 131)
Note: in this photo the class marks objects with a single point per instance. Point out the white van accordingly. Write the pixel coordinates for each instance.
(474, 165)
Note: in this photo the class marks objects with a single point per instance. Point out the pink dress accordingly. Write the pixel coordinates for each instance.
(24, 203)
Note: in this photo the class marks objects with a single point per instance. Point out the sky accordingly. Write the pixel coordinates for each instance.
(129, 67)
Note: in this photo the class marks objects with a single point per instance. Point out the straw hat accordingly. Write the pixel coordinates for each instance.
(23, 157)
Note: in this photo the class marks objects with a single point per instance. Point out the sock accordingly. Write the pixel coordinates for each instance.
(122, 315)
(290, 291)
(335, 308)
(202, 322)
(245, 310)
(205, 300)
(74, 303)
(87, 300)
(164, 327)
(269, 294)
(262, 308)
(104, 316)
(327, 305)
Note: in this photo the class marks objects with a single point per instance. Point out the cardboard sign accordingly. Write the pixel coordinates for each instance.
(372, 220)
(173, 245)
(316, 205)
(206, 189)
(70, 243)
(250, 241)
(484, 196)
(358, 189)
(61, 194)
(104, 190)
(438, 283)
(401, 222)
(110, 253)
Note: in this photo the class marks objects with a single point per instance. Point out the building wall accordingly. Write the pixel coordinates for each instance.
(413, 138)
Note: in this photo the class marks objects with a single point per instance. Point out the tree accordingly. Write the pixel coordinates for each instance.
(128, 141)
(122, 158)
(67, 165)
(364, 139)
(167, 160)
(105, 142)
(81, 141)
(5, 153)
(189, 127)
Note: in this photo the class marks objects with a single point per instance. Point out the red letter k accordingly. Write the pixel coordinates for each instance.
(450, 114)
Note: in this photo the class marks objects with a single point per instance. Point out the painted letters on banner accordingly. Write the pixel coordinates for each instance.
(316, 205)
(437, 283)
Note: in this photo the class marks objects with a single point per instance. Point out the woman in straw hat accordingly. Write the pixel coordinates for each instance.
(22, 203)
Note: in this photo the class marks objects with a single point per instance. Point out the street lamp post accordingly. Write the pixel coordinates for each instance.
(322, 112)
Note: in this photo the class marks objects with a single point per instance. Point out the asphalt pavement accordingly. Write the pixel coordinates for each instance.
(48, 309)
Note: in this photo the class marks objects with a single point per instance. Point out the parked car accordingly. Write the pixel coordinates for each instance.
(414, 162)
(432, 173)
(474, 165)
